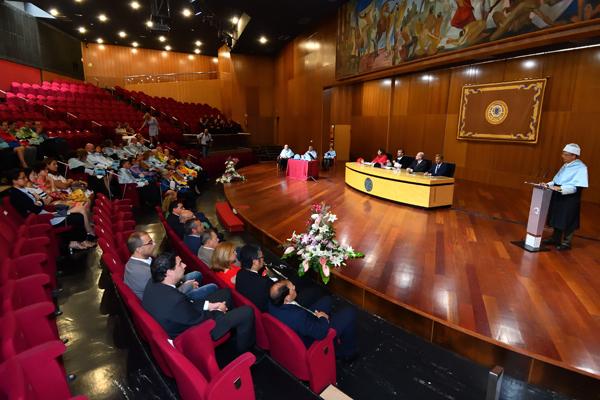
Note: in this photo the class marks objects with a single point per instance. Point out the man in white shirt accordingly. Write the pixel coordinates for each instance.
(204, 138)
(328, 157)
(310, 155)
(285, 154)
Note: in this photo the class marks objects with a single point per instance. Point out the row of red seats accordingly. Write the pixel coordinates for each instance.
(190, 359)
(31, 350)
(316, 365)
(62, 89)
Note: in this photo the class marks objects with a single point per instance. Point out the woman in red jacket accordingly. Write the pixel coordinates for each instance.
(381, 157)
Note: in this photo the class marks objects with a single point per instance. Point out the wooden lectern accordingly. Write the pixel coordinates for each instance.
(538, 212)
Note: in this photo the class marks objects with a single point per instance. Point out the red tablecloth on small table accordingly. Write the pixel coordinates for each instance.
(302, 169)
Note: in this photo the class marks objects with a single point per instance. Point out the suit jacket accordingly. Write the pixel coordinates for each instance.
(305, 324)
(420, 167)
(443, 170)
(192, 242)
(137, 274)
(23, 203)
(173, 310)
(205, 254)
(254, 287)
(405, 161)
(178, 227)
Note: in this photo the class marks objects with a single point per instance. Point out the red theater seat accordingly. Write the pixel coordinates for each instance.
(227, 218)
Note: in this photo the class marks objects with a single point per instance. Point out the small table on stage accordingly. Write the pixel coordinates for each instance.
(302, 169)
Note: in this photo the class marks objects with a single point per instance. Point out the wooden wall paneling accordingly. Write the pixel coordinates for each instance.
(326, 119)
(202, 91)
(52, 76)
(341, 104)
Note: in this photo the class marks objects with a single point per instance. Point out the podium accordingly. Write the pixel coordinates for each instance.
(538, 213)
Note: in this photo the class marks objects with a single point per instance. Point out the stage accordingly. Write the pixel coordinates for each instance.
(451, 275)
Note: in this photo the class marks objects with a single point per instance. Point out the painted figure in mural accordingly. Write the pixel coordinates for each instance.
(517, 17)
(366, 25)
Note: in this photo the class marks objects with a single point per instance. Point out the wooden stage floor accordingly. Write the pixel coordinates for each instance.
(453, 266)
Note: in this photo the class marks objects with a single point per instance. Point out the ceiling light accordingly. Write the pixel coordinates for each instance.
(100, 40)
(234, 20)
(263, 40)
(162, 39)
(190, 57)
(102, 17)
(197, 51)
(82, 29)
(54, 11)
(135, 5)
(168, 48)
(198, 43)
(78, 1)
(186, 12)
(135, 44)
(122, 34)
(149, 24)
(427, 78)
(215, 60)
(529, 64)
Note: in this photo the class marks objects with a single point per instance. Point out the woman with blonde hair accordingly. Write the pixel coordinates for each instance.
(222, 262)
(153, 129)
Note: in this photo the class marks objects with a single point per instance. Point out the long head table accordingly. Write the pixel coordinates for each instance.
(398, 185)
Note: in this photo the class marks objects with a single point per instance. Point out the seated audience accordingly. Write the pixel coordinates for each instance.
(328, 157)
(249, 281)
(193, 229)
(313, 323)
(26, 203)
(310, 155)
(440, 168)
(137, 270)
(175, 312)
(284, 156)
(209, 241)
(223, 263)
(9, 145)
(401, 160)
(419, 164)
(380, 159)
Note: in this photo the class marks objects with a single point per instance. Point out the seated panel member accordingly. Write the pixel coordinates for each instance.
(381, 158)
(401, 160)
(310, 155)
(440, 168)
(175, 312)
(328, 157)
(419, 164)
(284, 156)
(312, 324)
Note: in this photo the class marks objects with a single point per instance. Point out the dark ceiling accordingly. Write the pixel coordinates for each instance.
(278, 20)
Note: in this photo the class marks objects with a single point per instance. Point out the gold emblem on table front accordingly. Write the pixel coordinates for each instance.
(496, 112)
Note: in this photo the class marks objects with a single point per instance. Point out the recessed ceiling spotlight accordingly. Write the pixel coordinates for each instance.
(198, 43)
(162, 39)
(529, 64)
(149, 24)
(78, 1)
(263, 40)
(168, 48)
(135, 5)
(102, 17)
(197, 51)
(215, 60)
(122, 34)
(82, 29)
(100, 40)
(54, 11)
(234, 20)
(186, 12)
(135, 44)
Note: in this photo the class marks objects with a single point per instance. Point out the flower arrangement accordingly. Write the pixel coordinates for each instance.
(230, 173)
(317, 248)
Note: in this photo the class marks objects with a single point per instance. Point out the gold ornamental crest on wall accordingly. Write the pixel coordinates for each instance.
(496, 112)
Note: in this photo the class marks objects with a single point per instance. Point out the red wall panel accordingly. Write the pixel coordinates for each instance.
(13, 72)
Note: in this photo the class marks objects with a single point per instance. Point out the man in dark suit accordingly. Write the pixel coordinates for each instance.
(312, 324)
(440, 168)
(419, 164)
(177, 210)
(249, 280)
(175, 312)
(401, 160)
(193, 234)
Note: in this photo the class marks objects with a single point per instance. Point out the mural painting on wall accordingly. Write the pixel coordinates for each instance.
(375, 34)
